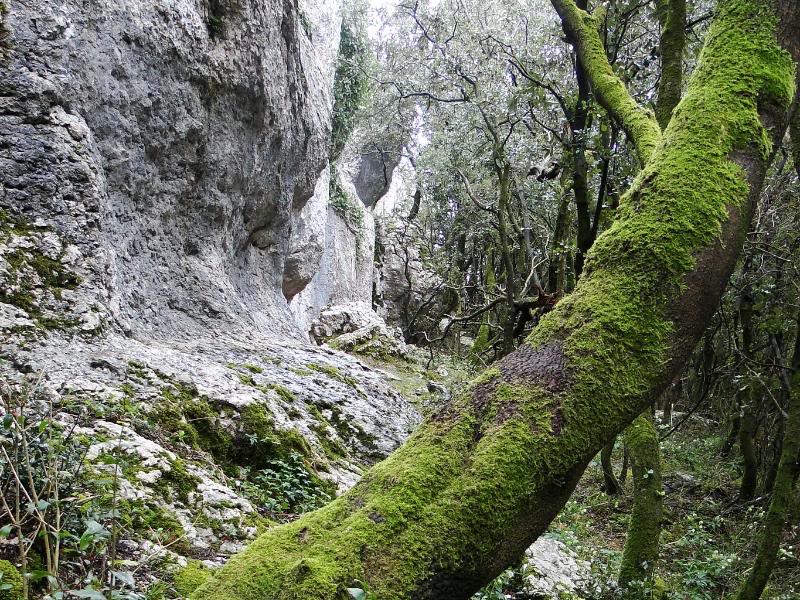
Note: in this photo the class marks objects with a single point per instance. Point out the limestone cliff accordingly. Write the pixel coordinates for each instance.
(158, 167)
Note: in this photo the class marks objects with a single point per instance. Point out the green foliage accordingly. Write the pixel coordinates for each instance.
(215, 19)
(348, 208)
(350, 84)
(77, 503)
(505, 584)
(286, 486)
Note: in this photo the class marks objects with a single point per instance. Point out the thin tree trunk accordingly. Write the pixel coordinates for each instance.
(747, 434)
(580, 172)
(611, 485)
(626, 459)
(747, 398)
(733, 435)
(504, 177)
(555, 272)
(481, 479)
(642, 542)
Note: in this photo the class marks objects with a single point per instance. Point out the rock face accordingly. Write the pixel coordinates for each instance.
(170, 146)
(163, 191)
(402, 283)
(345, 269)
(552, 571)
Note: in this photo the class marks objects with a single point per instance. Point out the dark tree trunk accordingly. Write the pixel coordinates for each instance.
(611, 485)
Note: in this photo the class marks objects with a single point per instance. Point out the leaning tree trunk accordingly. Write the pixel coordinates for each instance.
(641, 438)
(480, 480)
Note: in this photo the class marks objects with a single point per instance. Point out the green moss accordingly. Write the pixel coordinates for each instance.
(137, 369)
(177, 482)
(191, 577)
(32, 276)
(642, 542)
(332, 447)
(285, 393)
(11, 583)
(247, 380)
(301, 372)
(253, 368)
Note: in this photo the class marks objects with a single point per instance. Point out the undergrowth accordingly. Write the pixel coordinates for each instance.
(708, 539)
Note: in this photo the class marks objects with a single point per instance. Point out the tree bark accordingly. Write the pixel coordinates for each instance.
(480, 480)
(748, 397)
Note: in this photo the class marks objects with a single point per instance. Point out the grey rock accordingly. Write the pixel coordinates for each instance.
(162, 194)
(354, 327)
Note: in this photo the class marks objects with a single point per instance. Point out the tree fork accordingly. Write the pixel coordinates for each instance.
(479, 481)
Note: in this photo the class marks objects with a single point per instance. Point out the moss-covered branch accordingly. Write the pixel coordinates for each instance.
(642, 544)
(479, 481)
(638, 123)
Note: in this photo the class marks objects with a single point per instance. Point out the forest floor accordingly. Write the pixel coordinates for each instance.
(708, 540)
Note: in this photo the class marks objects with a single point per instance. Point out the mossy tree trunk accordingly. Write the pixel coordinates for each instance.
(578, 123)
(642, 543)
(641, 438)
(672, 20)
(480, 480)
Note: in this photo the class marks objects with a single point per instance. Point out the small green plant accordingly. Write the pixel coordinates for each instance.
(286, 486)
